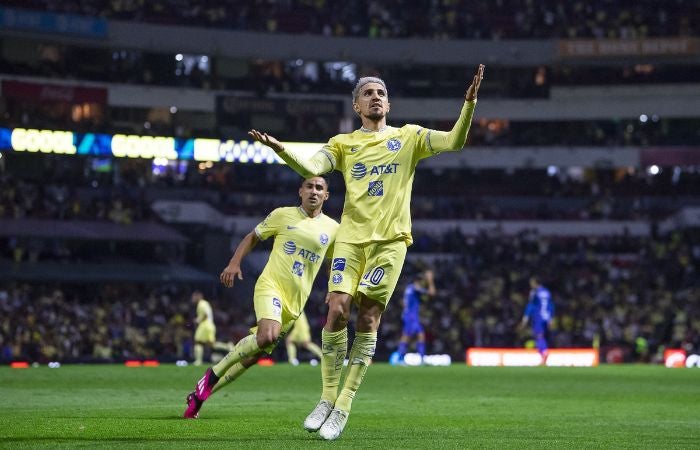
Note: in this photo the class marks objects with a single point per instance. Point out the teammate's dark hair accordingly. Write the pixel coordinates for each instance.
(325, 179)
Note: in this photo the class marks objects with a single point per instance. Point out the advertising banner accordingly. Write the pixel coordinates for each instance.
(44, 22)
(590, 48)
(41, 92)
(578, 357)
(674, 357)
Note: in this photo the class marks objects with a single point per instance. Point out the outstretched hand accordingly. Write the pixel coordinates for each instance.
(473, 89)
(229, 274)
(266, 139)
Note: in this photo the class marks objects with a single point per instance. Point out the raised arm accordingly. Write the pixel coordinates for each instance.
(233, 269)
(318, 164)
(453, 140)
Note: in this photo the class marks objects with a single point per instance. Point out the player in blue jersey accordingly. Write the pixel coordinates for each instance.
(415, 293)
(539, 312)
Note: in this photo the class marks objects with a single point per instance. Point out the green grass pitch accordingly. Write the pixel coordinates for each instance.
(629, 406)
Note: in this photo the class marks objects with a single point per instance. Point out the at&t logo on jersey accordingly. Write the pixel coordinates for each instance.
(384, 168)
(323, 239)
(393, 144)
(337, 278)
(375, 189)
(358, 171)
(289, 247)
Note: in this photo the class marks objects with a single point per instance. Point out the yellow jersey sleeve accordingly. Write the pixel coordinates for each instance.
(270, 224)
(333, 151)
(421, 148)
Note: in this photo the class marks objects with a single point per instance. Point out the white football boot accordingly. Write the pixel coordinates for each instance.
(334, 425)
(319, 415)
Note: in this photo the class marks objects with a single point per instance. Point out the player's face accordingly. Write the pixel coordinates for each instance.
(372, 102)
(313, 193)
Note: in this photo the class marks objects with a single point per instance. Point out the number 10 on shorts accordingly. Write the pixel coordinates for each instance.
(374, 276)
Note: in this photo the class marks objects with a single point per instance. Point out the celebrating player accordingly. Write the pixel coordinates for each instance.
(302, 236)
(378, 163)
(414, 294)
(300, 335)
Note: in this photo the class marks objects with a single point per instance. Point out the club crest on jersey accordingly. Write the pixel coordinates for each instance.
(393, 144)
(358, 170)
(323, 238)
(298, 268)
(375, 189)
(289, 247)
(337, 278)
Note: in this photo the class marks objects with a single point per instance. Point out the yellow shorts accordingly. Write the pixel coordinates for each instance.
(301, 331)
(269, 304)
(205, 332)
(372, 269)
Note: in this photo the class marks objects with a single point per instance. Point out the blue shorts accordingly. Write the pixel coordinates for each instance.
(540, 328)
(412, 327)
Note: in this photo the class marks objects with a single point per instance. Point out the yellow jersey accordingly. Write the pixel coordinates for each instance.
(378, 168)
(204, 312)
(301, 244)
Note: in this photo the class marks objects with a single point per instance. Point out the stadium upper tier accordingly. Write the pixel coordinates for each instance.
(456, 19)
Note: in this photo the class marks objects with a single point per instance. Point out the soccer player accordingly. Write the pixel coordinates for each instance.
(205, 334)
(539, 312)
(415, 293)
(378, 163)
(301, 335)
(302, 236)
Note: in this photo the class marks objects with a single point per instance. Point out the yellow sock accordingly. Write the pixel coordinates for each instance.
(291, 351)
(360, 358)
(315, 349)
(198, 354)
(248, 346)
(335, 346)
(231, 374)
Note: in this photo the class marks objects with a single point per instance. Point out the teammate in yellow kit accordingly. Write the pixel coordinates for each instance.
(302, 236)
(300, 335)
(378, 164)
(205, 334)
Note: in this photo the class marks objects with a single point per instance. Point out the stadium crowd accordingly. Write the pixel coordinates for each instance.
(74, 188)
(110, 322)
(449, 19)
(636, 294)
